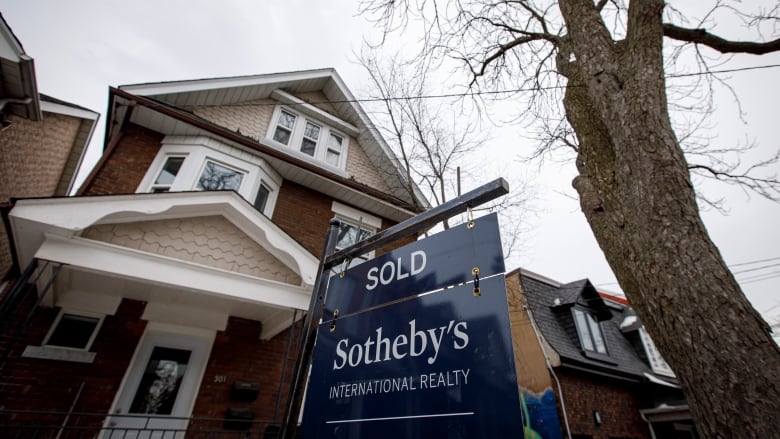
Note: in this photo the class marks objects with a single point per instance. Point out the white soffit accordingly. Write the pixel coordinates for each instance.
(100, 257)
(32, 219)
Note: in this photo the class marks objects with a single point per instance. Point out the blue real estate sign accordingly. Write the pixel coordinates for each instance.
(438, 261)
(433, 365)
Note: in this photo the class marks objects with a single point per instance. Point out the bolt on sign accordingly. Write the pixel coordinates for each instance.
(416, 344)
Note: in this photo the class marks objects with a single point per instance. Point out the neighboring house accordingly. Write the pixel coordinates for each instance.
(587, 368)
(42, 139)
(166, 293)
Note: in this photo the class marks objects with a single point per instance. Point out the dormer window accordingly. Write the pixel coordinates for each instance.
(657, 362)
(310, 137)
(284, 127)
(333, 154)
(589, 331)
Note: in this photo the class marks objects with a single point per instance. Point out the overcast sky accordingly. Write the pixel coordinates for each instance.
(82, 47)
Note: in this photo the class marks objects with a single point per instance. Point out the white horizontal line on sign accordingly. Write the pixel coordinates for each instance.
(436, 415)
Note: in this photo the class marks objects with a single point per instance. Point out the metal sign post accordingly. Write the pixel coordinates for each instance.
(410, 227)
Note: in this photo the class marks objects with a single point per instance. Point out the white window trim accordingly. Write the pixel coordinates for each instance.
(285, 98)
(64, 311)
(296, 137)
(157, 173)
(657, 363)
(197, 150)
(64, 353)
(244, 172)
(355, 215)
(586, 332)
(359, 219)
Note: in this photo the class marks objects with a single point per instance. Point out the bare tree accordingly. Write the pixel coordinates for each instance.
(598, 72)
(438, 142)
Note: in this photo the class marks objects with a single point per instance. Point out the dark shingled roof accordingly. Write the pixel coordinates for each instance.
(557, 326)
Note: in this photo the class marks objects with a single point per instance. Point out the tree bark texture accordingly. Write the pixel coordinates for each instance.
(636, 193)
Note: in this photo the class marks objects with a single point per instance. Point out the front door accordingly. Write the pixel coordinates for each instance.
(160, 388)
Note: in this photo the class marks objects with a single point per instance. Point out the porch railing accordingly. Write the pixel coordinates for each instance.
(28, 424)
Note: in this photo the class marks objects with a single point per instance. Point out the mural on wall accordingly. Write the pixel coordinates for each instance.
(540, 415)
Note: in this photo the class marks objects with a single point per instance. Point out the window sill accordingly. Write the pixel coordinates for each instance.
(61, 354)
(338, 170)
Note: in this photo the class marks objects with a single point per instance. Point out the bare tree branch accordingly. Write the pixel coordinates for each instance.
(701, 36)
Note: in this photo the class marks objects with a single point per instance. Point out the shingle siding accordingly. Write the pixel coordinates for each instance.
(211, 241)
(247, 118)
(32, 159)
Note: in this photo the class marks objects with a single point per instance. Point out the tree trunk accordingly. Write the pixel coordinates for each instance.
(636, 193)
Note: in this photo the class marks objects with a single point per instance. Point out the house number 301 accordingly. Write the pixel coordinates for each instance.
(220, 379)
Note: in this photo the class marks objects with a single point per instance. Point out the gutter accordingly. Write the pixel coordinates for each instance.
(205, 125)
(592, 370)
(30, 86)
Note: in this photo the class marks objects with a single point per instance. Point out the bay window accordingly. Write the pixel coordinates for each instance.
(193, 163)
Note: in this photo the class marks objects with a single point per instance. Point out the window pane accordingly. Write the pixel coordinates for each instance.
(598, 338)
(282, 135)
(311, 131)
(170, 170)
(308, 147)
(262, 198)
(349, 235)
(335, 142)
(582, 328)
(332, 157)
(216, 177)
(73, 331)
(287, 120)
(160, 382)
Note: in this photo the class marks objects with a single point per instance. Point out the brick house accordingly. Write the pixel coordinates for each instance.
(167, 293)
(586, 366)
(42, 139)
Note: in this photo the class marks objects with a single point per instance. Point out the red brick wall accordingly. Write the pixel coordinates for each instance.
(238, 354)
(616, 402)
(51, 385)
(127, 163)
(304, 214)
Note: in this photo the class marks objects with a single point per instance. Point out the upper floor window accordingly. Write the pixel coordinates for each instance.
(168, 174)
(657, 362)
(216, 177)
(355, 227)
(307, 136)
(204, 164)
(589, 331)
(284, 127)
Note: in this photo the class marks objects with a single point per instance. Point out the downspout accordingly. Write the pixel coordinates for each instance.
(550, 368)
(649, 424)
(112, 142)
(30, 86)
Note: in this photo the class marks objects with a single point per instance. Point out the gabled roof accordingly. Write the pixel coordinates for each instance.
(550, 305)
(19, 94)
(164, 107)
(583, 293)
